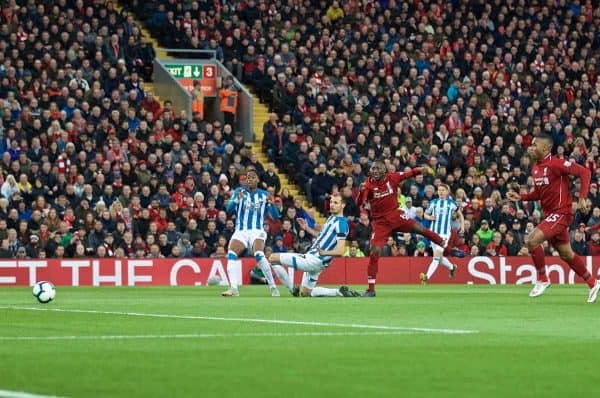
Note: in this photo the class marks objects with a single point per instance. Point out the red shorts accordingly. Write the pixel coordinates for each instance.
(555, 228)
(383, 227)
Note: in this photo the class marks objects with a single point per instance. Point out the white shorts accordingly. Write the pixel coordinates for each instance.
(248, 237)
(310, 264)
(435, 247)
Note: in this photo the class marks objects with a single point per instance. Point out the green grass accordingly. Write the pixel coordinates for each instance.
(526, 348)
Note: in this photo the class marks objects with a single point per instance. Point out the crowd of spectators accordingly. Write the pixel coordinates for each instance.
(460, 87)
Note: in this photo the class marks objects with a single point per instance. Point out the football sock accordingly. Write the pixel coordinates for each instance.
(265, 267)
(324, 292)
(578, 266)
(432, 236)
(432, 267)
(444, 261)
(372, 271)
(539, 261)
(283, 276)
(234, 270)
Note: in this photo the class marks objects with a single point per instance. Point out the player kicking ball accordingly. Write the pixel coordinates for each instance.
(551, 188)
(250, 205)
(440, 212)
(330, 242)
(381, 191)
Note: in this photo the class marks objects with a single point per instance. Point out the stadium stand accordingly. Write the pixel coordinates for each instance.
(460, 87)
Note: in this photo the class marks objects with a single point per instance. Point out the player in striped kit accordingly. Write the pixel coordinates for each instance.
(250, 205)
(330, 242)
(440, 212)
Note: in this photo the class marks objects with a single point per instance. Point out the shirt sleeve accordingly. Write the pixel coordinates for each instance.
(232, 204)
(454, 206)
(531, 196)
(566, 167)
(363, 195)
(431, 207)
(342, 228)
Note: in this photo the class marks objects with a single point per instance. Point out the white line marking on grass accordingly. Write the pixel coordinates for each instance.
(202, 336)
(251, 320)
(21, 394)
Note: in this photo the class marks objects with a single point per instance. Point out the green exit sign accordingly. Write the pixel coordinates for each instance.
(182, 71)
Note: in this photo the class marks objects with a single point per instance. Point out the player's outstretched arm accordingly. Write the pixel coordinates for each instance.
(304, 225)
(525, 197)
(429, 217)
(339, 250)
(585, 176)
(405, 175)
(363, 195)
(234, 200)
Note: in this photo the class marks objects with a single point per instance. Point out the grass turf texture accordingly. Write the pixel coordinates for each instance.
(524, 347)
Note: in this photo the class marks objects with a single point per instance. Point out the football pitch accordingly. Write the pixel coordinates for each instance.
(410, 341)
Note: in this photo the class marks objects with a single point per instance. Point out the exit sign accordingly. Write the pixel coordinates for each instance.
(182, 71)
(188, 73)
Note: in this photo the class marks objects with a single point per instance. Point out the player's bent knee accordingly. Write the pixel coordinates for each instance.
(231, 255)
(375, 251)
(304, 292)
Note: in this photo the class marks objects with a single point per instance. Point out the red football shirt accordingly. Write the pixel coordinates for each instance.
(382, 195)
(551, 184)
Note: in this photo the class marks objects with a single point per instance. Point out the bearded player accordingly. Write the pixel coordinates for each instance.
(381, 191)
(551, 188)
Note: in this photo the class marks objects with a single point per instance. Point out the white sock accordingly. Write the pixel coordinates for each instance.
(433, 266)
(265, 267)
(325, 292)
(447, 263)
(234, 271)
(283, 276)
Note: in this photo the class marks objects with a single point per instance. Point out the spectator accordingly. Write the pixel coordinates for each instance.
(485, 234)
(579, 244)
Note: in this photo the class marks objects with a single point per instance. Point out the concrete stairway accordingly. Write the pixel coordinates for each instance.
(261, 115)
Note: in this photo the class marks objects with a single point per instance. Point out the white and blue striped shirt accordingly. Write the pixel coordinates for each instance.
(251, 209)
(442, 210)
(335, 228)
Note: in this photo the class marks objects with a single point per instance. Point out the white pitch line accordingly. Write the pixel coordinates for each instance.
(21, 394)
(201, 336)
(251, 320)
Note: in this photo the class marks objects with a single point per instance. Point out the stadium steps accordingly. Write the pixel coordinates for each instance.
(261, 116)
(160, 53)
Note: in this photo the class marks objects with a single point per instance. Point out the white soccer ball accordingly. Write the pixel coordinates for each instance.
(44, 292)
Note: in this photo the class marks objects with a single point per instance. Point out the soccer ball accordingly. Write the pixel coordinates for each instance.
(44, 292)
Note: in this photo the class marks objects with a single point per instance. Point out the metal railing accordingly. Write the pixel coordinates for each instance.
(168, 87)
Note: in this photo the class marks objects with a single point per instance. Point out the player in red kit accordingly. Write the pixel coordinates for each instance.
(381, 191)
(551, 188)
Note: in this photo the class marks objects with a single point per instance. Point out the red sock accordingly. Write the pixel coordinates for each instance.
(539, 261)
(578, 266)
(432, 236)
(372, 270)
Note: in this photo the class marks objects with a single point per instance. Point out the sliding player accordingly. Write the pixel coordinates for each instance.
(330, 242)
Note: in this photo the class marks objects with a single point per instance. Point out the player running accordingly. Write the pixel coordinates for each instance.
(250, 205)
(551, 188)
(381, 191)
(440, 212)
(330, 242)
